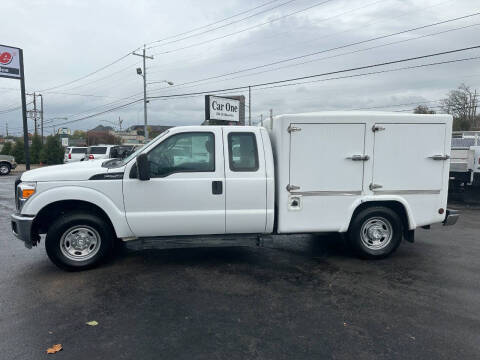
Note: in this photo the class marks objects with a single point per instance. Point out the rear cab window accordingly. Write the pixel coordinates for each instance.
(79, 151)
(243, 152)
(98, 150)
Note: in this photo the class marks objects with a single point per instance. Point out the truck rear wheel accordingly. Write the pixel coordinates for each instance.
(78, 241)
(375, 232)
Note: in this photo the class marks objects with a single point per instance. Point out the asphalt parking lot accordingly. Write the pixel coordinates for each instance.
(304, 297)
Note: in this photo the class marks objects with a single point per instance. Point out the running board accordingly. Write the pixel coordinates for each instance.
(198, 241)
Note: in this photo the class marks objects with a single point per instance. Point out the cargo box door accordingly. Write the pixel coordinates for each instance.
(326, 159)
(409, 158)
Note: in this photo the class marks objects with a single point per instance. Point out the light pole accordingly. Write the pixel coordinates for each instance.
(144, 75)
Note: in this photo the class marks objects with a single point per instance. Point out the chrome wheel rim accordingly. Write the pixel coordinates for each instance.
(376, 233)
(4, 169)
(80, 243)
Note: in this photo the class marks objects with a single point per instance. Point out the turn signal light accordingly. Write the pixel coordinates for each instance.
(69, 156)
(26, 193)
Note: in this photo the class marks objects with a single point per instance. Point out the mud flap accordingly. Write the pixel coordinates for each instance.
(409, 235)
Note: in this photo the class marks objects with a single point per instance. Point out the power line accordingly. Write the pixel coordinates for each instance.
(329, 50)
(214, 23)
(246, 29)
(282, 82)
(89, 74)
(225, 25)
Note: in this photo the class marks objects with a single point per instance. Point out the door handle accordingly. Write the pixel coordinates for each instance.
(359, 157)
(217, 187)
(439, 157)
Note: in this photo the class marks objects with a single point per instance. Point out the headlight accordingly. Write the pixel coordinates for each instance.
(25, 190)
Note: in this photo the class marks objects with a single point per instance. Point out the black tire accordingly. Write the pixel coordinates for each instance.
(375, 218)
(68, 224)
(5, 168)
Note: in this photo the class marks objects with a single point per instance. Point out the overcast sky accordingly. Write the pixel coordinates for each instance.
(66, 40)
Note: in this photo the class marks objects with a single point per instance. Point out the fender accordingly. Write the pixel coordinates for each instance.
(411, 222)
(44, 198)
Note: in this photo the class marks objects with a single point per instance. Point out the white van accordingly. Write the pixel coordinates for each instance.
(73, 154)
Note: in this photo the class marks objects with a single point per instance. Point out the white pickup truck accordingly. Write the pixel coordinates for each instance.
(375, 176)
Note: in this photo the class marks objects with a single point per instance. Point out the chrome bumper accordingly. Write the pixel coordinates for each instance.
(22, 229)
(451, 217)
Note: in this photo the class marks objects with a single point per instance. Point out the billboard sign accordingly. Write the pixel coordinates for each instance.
(222, 108)
(9, 62)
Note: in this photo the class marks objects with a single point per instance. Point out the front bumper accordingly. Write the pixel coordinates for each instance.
(451, 217)
(22, 229)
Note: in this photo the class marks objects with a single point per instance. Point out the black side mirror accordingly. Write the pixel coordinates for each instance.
(143, 168)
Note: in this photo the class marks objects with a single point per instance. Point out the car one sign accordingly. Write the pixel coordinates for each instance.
(9, 62)
(222, 108)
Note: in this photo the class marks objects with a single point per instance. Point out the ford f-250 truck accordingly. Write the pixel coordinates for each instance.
(374, 176)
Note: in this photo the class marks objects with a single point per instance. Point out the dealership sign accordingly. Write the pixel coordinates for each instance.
(9, 62)
(222, 108)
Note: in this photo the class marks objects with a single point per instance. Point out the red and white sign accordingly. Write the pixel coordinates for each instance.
(9, 62)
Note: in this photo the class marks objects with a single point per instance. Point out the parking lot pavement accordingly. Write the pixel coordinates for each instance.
(303, 298)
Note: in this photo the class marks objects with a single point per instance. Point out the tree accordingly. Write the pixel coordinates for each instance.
(7, 148)
(462, 104)
(423, 109)
(35, 149)
(52, 153)
(18, 151)
(79, 134)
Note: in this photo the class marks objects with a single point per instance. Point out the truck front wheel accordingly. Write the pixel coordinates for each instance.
(78, 241)
(375, 232)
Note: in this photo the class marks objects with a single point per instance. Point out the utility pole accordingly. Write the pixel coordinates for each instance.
(144, 75)
(250, 105)
(120, 121)
(261, 119)
(35, 112)
(6, 127)
(41, 116)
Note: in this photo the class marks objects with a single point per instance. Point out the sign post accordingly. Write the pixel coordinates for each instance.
(11, 66)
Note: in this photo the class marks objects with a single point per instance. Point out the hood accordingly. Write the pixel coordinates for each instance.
(81, 170)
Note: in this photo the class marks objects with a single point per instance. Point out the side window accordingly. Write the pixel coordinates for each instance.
(186, 152)
(243, 153)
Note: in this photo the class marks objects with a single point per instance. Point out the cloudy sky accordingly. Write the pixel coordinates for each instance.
(212, 45)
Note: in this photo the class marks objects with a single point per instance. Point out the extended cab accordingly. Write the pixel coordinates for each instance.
(375, 176)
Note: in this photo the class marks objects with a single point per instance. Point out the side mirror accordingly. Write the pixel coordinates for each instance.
(143, 168)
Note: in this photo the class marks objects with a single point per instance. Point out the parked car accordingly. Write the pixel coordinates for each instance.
(99, 152)
(346, 172)
(74, 153)
(7, 163)
(465, 162)
(108, 152)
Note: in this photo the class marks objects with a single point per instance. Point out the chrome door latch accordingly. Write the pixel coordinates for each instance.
(377, 128)
(359, 157)
(373, 186)
(291, 128)
(292, 187)
(439, 157)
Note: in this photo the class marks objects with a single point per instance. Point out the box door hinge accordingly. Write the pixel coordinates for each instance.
(293, 128)
(377, 128)
(373, 186)
(292, 187)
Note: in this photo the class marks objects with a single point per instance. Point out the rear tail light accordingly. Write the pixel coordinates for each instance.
(69, 156)
(91, 157)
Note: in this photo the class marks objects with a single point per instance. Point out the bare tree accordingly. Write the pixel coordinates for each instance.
(423, 109)
(462, 103)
